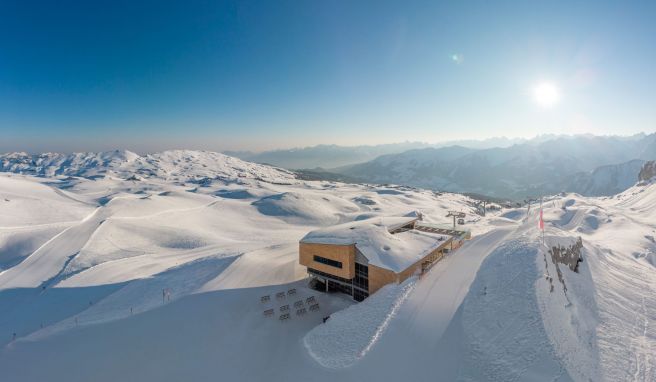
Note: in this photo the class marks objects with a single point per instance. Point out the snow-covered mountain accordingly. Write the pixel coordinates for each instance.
(324, 156)
(527, 169)
(605, 180)
(329, 156)
(161, 280)
(177, 165)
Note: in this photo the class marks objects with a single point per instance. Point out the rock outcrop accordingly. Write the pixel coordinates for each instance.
(648, 172)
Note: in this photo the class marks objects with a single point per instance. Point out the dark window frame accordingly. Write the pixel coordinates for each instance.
(361, 279)
(347, 286)
(359, 295)
(329, 262)
(362, 270)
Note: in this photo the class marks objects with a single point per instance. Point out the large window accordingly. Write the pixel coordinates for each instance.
(358, 287)
(332, 263)
(361, 270)
(361, 279)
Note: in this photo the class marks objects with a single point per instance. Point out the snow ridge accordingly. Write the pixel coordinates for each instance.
(174, 165)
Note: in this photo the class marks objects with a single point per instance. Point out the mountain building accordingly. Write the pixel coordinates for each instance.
(358, 258)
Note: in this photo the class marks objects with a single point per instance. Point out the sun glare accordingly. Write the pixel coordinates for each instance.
(546, 94)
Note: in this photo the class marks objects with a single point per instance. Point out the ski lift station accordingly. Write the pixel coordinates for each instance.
(358, 258)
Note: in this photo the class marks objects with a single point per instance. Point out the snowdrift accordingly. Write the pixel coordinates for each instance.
(350, 334)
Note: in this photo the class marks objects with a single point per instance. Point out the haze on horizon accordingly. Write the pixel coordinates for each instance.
(255, 75)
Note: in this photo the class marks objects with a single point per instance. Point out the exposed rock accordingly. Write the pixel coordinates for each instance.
(570, 256)
(648, 171)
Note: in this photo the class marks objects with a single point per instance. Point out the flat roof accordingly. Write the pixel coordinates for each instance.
(372, 238)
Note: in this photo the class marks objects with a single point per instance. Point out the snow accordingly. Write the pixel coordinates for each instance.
(172, 165)
(85, 254)
(571, 319)
(142, 294)
(373, 239)
(306, 208)
(608, 333)
(350, 334)
(31, 202)
(18, 243)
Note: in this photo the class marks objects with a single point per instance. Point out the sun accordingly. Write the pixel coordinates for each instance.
(546, 94)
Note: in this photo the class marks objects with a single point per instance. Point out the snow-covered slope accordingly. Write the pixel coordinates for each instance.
(107, 278)
(612, 311)
(174, 165)
(605, 180)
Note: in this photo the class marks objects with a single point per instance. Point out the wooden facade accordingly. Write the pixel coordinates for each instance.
(344, 254)
(314, 255)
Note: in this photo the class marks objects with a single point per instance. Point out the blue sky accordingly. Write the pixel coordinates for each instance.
(267, 74)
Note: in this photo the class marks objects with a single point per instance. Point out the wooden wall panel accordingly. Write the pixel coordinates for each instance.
(343, 253)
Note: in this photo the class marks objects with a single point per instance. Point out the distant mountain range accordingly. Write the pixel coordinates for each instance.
(330, 156)
(591, 165)
(324, 156)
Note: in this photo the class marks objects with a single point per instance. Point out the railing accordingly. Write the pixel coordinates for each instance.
(443, 229)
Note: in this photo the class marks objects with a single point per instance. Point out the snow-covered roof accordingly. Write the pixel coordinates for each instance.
(373, 239)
